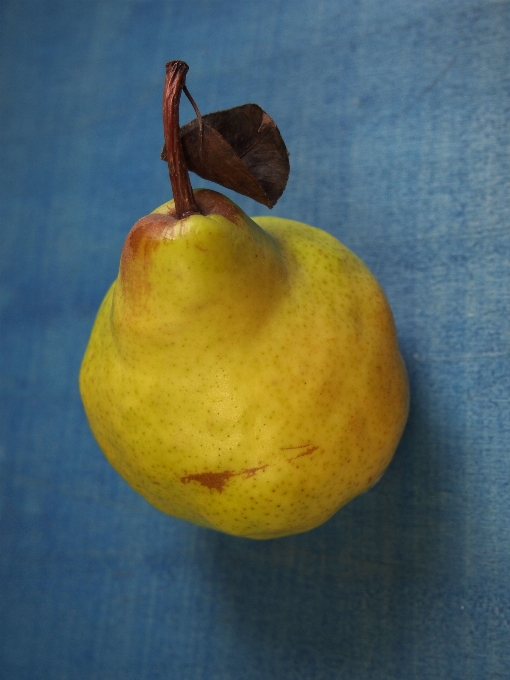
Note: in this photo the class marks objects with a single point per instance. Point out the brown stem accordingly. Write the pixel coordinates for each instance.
(185, 204)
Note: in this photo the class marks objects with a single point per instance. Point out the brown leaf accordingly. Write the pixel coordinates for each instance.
(241, 149)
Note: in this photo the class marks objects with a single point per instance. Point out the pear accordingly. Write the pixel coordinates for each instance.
(243, 374)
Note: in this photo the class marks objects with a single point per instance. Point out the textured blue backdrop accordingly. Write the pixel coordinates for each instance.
(396, 114)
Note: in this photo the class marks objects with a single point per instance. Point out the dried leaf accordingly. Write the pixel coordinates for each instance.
(241, 149)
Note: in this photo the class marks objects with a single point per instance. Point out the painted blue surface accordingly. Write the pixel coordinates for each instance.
(396, 114)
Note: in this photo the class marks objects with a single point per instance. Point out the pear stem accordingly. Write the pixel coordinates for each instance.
(175, 83)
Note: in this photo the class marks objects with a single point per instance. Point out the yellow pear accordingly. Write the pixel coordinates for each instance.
(244, 374)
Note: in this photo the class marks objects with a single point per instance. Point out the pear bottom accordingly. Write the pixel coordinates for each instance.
(258, 420)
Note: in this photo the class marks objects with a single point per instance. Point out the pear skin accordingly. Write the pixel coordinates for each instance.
(244, 374)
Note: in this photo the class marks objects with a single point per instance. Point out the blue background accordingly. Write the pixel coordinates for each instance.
(396, 114)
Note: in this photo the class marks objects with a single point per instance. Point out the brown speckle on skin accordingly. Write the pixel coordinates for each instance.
(217, 480)
(212, 480)
(249, 472)
(308, 452)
